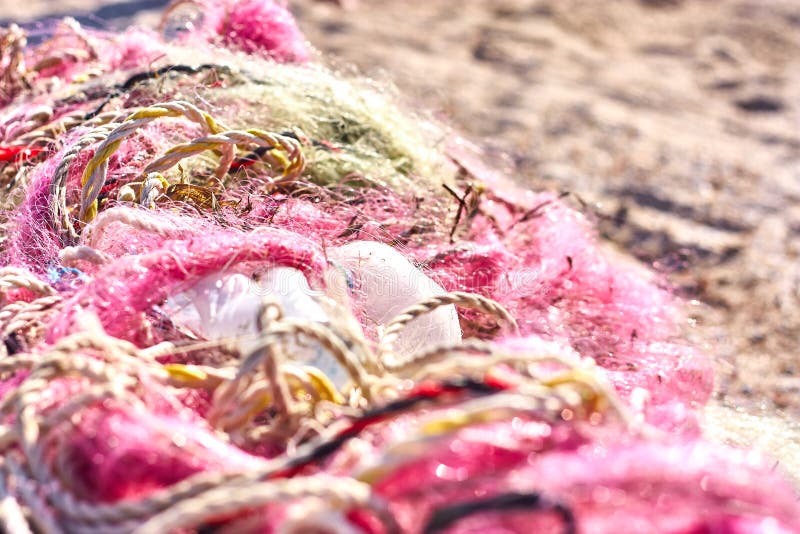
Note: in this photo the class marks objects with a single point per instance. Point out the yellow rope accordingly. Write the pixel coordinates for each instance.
(94, 175)
(284, 152)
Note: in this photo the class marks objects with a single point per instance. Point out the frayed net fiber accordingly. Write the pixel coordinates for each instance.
(249, 294)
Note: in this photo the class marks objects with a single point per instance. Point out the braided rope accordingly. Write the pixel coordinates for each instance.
(41, 515)
(25, 401)
(59, 360)
(411, 363)
(578, 373)
(72, 255)
(306, 383)
(466, 300)
(317, 332)
(336, 491)
(602, 394)
(11, 310)
(33, 119)
(27, 421)
(30, 425)
(240, 390)
(26, 319)
(261, 376)
(94, 175)
(14, 277)
(255, 399)
(465, 362)
(99, 515)
(58, 189)
(12, 518)
(50, 132)
(46, 133)
(12, 364)
(119, 514)
(292, 163)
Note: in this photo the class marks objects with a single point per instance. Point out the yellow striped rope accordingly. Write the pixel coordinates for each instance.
(94, 175)
(284, 151)
(58, 189)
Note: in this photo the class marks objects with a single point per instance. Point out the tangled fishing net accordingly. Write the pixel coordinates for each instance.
(243, 293)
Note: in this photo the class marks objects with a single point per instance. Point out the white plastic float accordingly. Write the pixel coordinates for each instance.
(379, 279)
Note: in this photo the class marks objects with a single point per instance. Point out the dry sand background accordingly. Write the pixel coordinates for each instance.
(676, 123)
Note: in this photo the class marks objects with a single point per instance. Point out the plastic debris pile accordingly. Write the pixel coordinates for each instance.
(245, 293)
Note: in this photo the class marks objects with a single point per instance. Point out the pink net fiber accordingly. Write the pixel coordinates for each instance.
(248, 294)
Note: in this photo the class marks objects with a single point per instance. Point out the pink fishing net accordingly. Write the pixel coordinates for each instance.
(244, 294)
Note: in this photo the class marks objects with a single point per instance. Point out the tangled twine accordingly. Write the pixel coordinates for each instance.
(111, 370)
(112, 134)
(156, 375)
(94, 175)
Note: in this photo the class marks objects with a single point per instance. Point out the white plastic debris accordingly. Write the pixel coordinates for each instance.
(225, 306)
(384, 282)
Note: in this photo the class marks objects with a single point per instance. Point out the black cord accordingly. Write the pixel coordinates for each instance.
(447, 516)
(159, 72)
(140, 77)
(323, 450)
